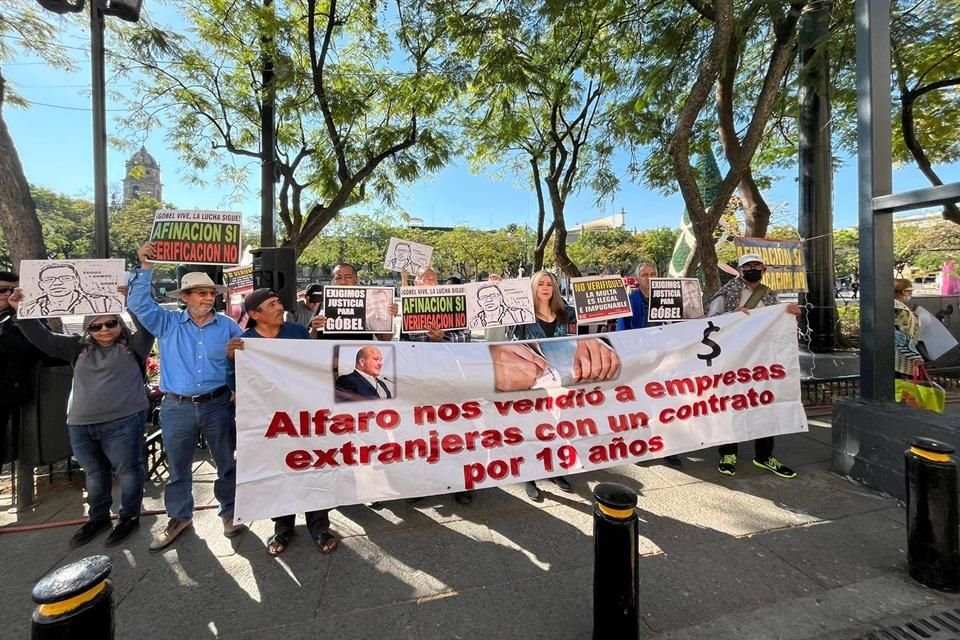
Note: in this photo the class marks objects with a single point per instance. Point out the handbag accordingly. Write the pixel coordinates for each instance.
(922, 393)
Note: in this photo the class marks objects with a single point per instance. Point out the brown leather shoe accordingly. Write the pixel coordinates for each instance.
(173, 529)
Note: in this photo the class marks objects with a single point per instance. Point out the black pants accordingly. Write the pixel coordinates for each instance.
(762, 448)
(317, 523)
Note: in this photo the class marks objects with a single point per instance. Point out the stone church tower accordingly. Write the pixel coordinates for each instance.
(143, 177)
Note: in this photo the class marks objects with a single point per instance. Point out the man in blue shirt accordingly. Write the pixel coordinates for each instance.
(266, 321)
(639, 299)
(640, 303)
(193, 378)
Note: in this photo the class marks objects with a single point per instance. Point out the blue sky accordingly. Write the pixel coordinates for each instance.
(55, 147)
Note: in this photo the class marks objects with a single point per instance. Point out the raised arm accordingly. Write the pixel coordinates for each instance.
(53, 344)
(157, 320)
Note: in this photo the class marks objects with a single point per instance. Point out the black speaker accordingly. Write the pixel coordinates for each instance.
(214, 271)
(276, 268)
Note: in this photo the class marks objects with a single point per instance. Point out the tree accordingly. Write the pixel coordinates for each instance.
(361, 107)
(131, 225)
(546, 78)
(926, 74)
(67, 223)
(656, 246)
(750, 47)
(23, 30)
(614, 249)
(846, 252)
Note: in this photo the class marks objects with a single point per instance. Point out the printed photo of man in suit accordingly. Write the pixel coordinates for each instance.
(366, 382)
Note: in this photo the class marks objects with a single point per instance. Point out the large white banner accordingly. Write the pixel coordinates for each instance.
(322, 424)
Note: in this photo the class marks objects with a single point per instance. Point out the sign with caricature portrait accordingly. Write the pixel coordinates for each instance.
(55, 288)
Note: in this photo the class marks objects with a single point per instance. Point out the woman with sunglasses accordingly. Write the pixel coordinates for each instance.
(106, 413)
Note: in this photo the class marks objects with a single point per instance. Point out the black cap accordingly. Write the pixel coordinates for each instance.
(256, 298)
(313, 288)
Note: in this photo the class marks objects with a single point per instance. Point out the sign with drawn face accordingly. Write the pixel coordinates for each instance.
(502, 303)
(403, 255)
(54, 288)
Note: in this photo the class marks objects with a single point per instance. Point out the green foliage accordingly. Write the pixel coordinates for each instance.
(361, 91)
(27, 30)
(130, 227)
(656, 246)
(67, 224)
(846, 252)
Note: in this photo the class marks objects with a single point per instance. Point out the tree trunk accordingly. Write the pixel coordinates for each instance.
(560, 232)
(756, 211)
(18, 213)
(543, 237)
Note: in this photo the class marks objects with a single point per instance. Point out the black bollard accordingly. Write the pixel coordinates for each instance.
(933, 546)
(75, 602)
(616, 563)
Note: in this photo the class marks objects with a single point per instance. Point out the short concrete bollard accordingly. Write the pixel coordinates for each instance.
(75, 602)
(616, 563)
(933, 545)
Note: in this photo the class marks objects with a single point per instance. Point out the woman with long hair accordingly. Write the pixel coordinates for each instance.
(106, 413)
(554, 318)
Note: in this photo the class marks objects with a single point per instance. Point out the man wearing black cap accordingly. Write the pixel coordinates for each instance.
(742, 294)
(306, 309)
(265, 311)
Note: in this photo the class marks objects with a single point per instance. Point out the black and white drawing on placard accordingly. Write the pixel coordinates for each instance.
(403, 255)
(53, 288)
(499, 304)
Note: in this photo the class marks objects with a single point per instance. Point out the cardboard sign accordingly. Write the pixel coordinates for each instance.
(674, 299)
(786, 267)
(357, 309)
(600, 298)
(239, 283)
(54, 288)
(196, 237)
(444, 306)
(500, 303)
(323, 424)
(403, 255)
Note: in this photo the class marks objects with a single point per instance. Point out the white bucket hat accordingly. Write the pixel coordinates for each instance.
(193, 280)
(749, 257)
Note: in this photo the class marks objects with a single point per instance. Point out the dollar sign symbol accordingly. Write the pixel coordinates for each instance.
(715, 348)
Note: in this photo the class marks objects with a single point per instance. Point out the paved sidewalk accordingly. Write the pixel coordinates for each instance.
(748, 557)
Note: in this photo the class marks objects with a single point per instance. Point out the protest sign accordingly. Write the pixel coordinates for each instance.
(403, 255)
(786, 268)
(500, 303)
(600, 298)
(445, 306)
(196, 237)
(53, 288)
(239, 283)
(357, 309)
(443, 419)
(673, 299)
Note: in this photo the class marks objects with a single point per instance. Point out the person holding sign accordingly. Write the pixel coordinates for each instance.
(427, 277)
(196, 398)
(639, 300)
(345, 275)
(742, 294)
(266, 314)
(106, 414)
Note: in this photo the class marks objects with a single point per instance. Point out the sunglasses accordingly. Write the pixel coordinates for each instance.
(7, 290)
(109, 324)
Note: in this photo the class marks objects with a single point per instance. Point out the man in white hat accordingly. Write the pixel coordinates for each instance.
(193, 378)
(744, 293)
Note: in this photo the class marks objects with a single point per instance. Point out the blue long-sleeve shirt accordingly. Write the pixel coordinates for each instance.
(639, 304)
(193, 359)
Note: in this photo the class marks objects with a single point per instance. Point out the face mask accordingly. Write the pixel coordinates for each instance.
(752, 275)
(906, 298)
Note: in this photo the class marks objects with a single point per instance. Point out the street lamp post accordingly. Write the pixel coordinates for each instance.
(128, 10)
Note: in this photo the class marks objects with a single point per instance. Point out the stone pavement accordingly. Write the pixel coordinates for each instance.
(748, 557)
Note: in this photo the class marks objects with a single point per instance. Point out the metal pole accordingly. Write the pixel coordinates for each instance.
(616, 563)
(267, 142)
(933, 546)
(816, 173)
(875, 168)
(100, 226)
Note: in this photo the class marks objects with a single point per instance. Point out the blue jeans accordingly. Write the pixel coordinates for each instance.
(107, 448)
(180, 423)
